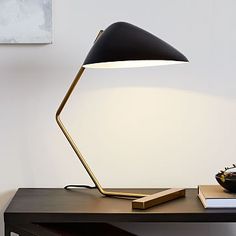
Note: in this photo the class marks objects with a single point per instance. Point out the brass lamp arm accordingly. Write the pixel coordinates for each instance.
(75, 148)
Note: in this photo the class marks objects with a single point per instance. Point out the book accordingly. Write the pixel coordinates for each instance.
(214, 196)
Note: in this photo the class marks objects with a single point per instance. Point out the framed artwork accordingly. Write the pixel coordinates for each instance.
(25, 21)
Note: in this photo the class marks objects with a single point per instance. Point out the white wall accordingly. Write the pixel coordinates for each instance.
(147, 127)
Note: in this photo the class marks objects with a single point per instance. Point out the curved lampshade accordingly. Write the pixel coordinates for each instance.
(124, 45)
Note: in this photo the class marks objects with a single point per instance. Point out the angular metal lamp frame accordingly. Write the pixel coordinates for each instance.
(76, 149)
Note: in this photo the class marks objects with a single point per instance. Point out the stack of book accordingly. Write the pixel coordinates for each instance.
(214, 196)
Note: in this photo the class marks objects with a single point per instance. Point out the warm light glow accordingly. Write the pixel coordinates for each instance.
(129, 64)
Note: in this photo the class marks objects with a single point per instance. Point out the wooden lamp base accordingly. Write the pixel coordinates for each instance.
(158, 198)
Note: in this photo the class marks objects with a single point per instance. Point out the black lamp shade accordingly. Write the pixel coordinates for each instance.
(125, 45)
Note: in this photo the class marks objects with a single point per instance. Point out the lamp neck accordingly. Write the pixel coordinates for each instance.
(99, 34)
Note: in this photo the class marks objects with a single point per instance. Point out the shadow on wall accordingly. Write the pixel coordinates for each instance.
(5, 198)
(179, 229)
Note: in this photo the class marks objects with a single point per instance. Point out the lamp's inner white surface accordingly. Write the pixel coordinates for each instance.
(129, 64)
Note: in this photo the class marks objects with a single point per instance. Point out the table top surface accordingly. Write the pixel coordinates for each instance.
(88, 205)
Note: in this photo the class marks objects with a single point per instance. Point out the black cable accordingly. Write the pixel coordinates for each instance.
(67, 187)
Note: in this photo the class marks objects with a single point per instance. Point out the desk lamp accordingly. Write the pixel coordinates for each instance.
(121, 45)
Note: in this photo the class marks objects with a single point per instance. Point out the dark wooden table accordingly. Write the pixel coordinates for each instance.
(50, 212)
